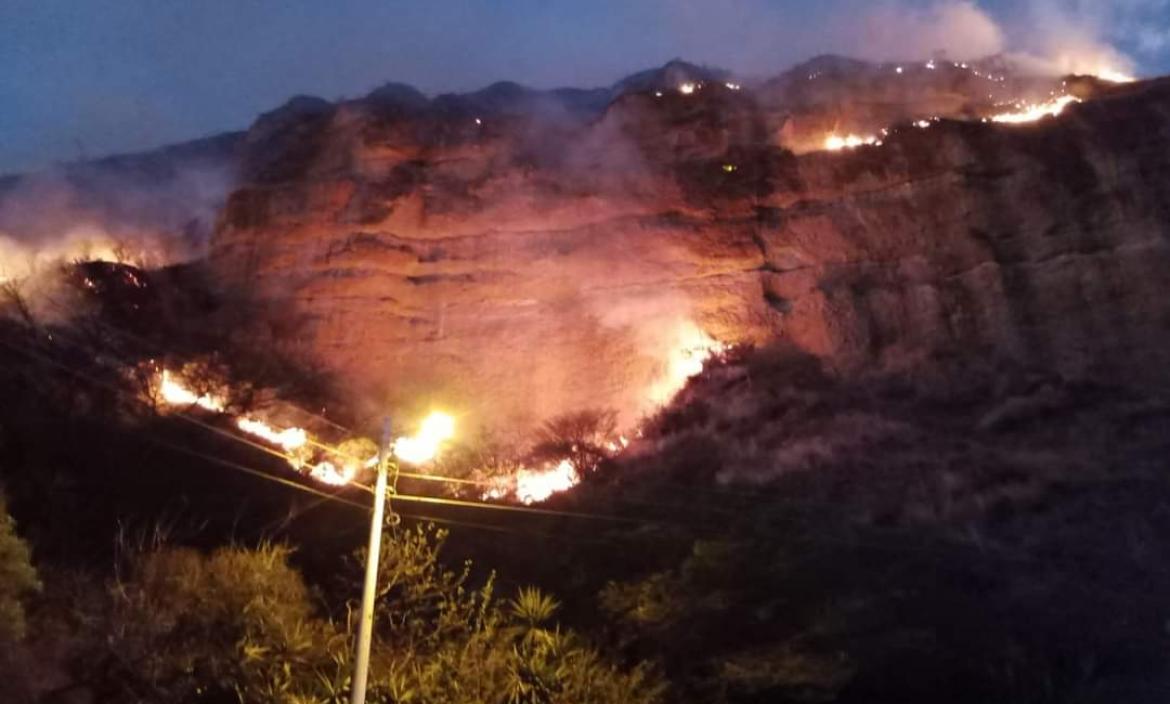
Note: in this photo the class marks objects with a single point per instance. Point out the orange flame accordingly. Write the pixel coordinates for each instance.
(537, 485)
(691, 349)
(835, 142)
(1033, 112)
(422, 447)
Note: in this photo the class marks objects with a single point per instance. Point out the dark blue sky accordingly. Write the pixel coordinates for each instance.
(102, 76)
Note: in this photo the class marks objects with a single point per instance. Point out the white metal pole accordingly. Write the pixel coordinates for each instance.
(361, 669)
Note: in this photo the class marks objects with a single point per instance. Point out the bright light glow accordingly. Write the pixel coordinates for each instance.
(686, 357)
(292, 440)
(20, 259)
(898, 70)
(732, 86)
(327, 473)
(1031, 113)
(531, 486)
(687, 88)
(288, 438)
(1107, 74)
(835, 142)
(534, 485)
(421, 448)
(175, 394)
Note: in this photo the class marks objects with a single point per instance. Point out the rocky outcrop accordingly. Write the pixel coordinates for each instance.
(1047, 243)
(518, 253)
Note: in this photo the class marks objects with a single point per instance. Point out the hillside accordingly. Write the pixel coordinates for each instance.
(517, 263)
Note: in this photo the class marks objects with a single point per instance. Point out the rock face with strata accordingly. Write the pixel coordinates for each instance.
(515, 254)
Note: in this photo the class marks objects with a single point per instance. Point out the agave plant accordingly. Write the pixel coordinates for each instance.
(533, 607)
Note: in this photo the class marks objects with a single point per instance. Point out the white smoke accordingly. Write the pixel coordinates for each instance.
(87, 213)
(1074, 36)
(1050, 36)
(897, 30)
(1042, 36)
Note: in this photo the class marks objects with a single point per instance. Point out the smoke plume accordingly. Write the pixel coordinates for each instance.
(1044, 36)
(893, 31)
(132, 212)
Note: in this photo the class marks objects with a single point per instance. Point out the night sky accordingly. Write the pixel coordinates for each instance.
(95, 77)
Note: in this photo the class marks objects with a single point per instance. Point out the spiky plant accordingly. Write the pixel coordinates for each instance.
(533, 607)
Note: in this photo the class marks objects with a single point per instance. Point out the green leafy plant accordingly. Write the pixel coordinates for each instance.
(18, 578)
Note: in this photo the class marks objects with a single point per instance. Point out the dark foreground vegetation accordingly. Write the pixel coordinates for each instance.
(973, 531)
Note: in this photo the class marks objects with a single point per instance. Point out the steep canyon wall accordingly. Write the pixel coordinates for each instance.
(521, 257)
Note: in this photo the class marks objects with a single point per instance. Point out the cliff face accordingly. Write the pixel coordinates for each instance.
(516, 254)
(1046, 243)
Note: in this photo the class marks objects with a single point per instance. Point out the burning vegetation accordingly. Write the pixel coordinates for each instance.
(834, 105)
(565, 450)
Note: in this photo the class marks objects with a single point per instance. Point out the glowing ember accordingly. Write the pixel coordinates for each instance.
(836, 142)
(1031, 113)
(534, 485)
(422, 447)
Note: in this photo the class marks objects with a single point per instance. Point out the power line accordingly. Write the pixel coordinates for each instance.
(410, 475)
(437, 500)
(158, 347)
(984, 550)
(289, 458)
(404, 497)
(401, 497)
(325, 497)
(689, 490)
(259, 473)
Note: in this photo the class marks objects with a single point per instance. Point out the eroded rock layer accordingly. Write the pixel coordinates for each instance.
(523, 254)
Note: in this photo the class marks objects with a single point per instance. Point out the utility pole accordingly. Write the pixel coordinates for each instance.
(361, 669)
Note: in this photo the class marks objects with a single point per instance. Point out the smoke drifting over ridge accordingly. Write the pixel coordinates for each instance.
(1052, 36)
(151, 209)
(164, 206)
(894, 31)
